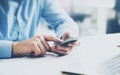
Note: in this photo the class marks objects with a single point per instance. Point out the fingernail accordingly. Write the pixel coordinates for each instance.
(59, 47)
(70, 45)
(61, 40)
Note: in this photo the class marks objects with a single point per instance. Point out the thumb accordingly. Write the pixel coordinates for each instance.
(66, 35)
(52, 38)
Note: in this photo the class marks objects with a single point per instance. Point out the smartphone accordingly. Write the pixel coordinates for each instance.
(67, 41)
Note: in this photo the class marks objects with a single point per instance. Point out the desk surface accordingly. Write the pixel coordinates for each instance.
(52, 65)
(93, 52)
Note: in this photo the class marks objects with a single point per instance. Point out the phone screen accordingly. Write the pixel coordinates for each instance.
(68, 41)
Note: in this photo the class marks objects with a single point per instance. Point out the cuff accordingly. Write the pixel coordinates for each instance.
(5, 49)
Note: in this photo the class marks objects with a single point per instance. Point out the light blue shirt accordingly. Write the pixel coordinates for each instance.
(19, 21)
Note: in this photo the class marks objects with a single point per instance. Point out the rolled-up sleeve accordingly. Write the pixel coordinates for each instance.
(54, 14)
(5, 49)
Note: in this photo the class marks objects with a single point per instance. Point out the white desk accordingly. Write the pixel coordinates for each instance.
(48, 65)
(93, 52)
(51, 65)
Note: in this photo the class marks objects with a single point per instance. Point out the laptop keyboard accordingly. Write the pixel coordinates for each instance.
(110, 67)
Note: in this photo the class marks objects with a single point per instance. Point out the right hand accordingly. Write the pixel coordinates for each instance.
(37, 45)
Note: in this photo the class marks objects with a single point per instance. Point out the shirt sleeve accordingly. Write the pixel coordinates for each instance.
(5, 49)
(58, 19)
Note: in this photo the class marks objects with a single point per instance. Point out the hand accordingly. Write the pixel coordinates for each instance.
(64, 50)
(37, 45)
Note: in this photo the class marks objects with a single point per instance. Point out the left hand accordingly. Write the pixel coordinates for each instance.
(64, 50)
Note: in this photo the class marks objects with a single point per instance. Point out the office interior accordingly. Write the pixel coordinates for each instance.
(94, 17)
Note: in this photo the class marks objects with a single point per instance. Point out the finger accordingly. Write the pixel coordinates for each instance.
(66, 35)
(52, 38)
(74, 44)
(36, 49)
(44, 42)
(41, 47)
(57, 51)
(65, 48)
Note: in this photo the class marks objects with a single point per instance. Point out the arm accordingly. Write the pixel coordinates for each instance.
(63, 25)
(58, 18)
(5, 49)
(35, 46)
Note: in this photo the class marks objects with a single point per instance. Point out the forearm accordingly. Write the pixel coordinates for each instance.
(5, 49)
(58, 18)
(67, 26)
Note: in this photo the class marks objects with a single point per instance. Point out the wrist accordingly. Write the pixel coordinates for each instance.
(14, 48)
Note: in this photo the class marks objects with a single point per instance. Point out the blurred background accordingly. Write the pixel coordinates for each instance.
(94, 17)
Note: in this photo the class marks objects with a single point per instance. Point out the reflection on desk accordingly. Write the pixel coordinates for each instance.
(93, 51)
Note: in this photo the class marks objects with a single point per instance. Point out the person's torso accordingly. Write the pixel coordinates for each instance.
(19, 21)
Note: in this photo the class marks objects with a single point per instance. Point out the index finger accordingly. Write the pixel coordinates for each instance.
(52, 38)
(74, 44)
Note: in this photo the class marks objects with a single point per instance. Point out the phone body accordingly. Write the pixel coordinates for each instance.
(67, 41)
